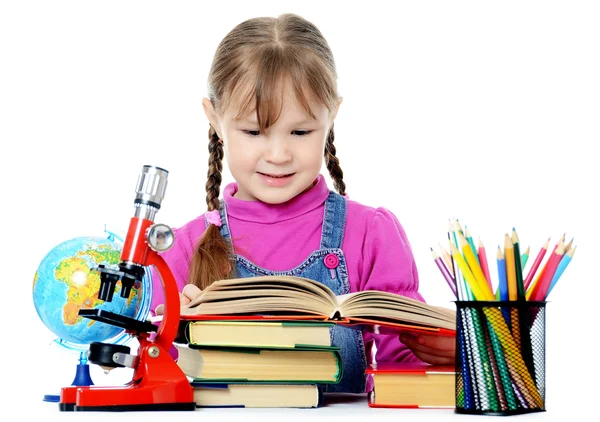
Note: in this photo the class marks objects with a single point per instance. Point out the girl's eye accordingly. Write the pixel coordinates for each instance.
(301, 132)
(252, 132)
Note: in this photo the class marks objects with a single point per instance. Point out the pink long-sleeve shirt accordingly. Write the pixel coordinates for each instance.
(281, 236)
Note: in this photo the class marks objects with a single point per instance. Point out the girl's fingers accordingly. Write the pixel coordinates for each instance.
(190, 292)
(434, 359)
(443, 347)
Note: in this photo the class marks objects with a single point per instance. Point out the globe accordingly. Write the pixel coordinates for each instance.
(65, 282)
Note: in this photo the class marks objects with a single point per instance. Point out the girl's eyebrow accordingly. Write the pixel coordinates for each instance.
(293, 122)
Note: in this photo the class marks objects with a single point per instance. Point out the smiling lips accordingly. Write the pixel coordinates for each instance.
(276, 176)
(276, 180)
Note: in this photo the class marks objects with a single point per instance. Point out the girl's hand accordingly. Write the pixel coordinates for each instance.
(188, 293)
(431, 348)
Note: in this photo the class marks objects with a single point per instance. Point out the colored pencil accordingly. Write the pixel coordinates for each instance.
(464, 349)
(515, 362)
(564, 262)
(469, 240)
(476, 290)
(511, 278)
(569, 245)
(502, 282)
(524, 339)
(536, 264)
(447, 260)
(440, 264)
(524, 258)
(467, 294)
(541, 272)
(474, 267)
(518, 268)
(541, 288)
(484, 263)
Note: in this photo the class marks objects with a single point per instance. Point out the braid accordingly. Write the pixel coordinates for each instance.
(333, 164)
(215, 166)
(213, 257)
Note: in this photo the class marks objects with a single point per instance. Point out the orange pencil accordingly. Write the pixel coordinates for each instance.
(511, 276)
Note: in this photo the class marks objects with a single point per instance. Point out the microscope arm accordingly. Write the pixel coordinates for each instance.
(170, 322)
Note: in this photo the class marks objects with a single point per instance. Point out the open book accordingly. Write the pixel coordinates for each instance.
(290, 297)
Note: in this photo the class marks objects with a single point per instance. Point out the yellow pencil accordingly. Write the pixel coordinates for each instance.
(468, 275)
(475, 267)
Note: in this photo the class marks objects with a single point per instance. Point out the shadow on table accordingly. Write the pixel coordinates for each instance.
(331, 399)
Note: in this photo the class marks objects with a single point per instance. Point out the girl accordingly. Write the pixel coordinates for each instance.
(272, 103)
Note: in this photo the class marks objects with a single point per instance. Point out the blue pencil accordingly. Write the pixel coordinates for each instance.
(561, 268)
(502, 281)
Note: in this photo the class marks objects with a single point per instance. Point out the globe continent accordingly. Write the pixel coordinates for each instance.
(65, 282)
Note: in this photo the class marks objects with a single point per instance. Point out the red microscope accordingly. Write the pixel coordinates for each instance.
(157, 382)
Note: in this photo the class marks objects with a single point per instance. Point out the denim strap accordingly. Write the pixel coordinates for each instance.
(334, 221)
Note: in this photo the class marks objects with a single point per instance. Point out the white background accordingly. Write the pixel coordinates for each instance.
(484, 111)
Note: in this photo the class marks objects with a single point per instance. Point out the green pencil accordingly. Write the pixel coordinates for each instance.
(524, 258)
(518, 268)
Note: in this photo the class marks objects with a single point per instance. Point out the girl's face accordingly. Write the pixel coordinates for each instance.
(282, 162)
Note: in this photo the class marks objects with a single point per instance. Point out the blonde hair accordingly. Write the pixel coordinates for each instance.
(250, 63)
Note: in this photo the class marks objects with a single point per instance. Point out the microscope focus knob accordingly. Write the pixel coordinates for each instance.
(102, 354)
(160, 237)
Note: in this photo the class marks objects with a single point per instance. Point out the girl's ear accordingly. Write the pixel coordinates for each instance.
(211, 115)
(337, 107)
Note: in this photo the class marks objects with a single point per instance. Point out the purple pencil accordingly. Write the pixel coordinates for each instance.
(445, 272)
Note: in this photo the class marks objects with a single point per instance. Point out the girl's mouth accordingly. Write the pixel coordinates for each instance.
(276, 176)
(276, 180)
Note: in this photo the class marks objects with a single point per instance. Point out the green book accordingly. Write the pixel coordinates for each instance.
(252, 333)
(214, 364)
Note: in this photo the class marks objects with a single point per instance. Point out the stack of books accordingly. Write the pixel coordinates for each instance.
(265, 341)
(249, 363)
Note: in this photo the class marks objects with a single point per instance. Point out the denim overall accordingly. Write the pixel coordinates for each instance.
(328, 266)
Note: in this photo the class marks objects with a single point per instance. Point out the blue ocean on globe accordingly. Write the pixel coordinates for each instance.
(65, 282)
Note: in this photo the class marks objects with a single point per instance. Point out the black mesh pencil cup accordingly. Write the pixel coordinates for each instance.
(500, 357)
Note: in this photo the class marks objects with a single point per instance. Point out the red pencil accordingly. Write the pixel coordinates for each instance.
(484, 263)
(541, 288)
(536, 264)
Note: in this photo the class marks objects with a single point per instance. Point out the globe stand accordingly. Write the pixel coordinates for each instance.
(82, 378)
(158, 383)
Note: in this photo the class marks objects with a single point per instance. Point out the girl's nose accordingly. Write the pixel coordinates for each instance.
(278, 151)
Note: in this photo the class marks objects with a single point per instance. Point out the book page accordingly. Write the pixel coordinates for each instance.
(385, 306)
(263, 295)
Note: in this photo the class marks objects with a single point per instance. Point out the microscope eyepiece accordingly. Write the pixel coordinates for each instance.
(151, 186)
